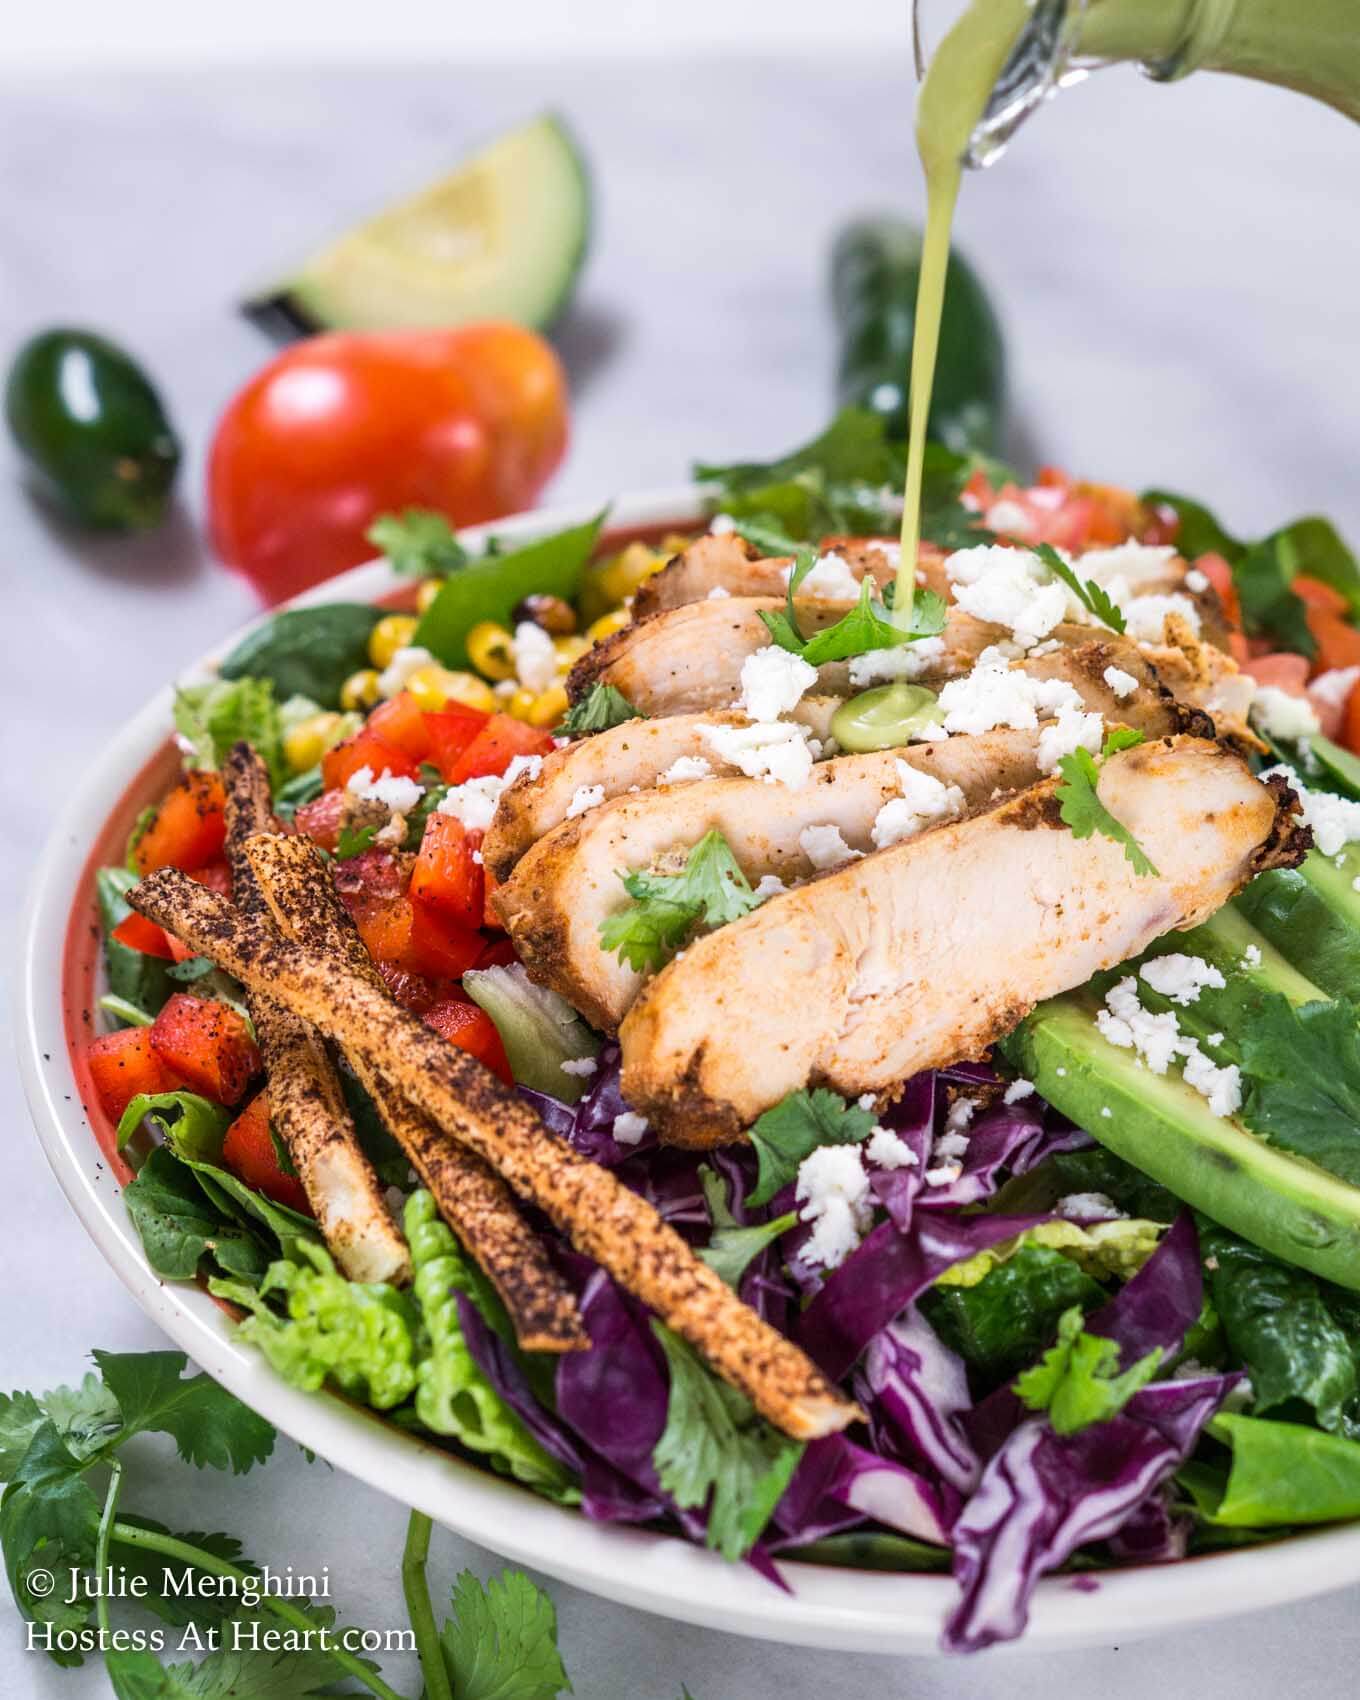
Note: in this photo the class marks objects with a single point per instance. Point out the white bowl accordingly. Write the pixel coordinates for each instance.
(860, 1610)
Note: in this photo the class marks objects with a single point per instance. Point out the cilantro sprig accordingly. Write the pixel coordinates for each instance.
(709, 890)
(1077, 1380)
(1092, 596)
(602, 707)
(794, 1128)
(1080, 805)
(731, 1247)
(418, 543)
(61, 1460)
(869, 625)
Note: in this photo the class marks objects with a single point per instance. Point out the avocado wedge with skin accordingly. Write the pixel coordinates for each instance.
(502, 237)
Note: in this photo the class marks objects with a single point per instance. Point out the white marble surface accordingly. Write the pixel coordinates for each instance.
(1178, 271)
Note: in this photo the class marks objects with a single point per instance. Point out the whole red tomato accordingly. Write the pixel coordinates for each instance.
(339, 429)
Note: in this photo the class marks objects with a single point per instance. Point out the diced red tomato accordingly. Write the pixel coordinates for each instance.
(417, 939)
(125, 1063)
(189, 828)
(1220, 576)
(248, 1151)
(137, 933)
(320, 819)
(1350, 722)
(448, 871)
(400, 722)
(1338, 641)
(1313, 593)
(373, 878)
(450, 732)
(208, 1044)
(472, 1030)
(1282, 669)
(366, 749)
(495, 746)
(412, 991)
(498, 953)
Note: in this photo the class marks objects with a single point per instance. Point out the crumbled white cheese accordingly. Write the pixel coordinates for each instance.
(1157, 1039)
(825, 848)
(629, 1127)
(1283, 716)
(1008, 587)
(719, 593)
(474, 802)
(1251, 956)
(1335, 820)
(1121, 683)
(535, 657)
(721, 524)
(830, 579)
(583, 798)
(997, 694)
(1213, 1038)
(945, 1174)
(1074, 729)
(960, 1114)
(1145, 616)
(833, 1188)
(580, 1066)
(399, 669)
(392, 790)
(770, 885)
(905, 661)
(950, 1145)
(924, 799)
(774, 751)
(1009, 519)
(1196, 581)
(1333, 688)
(1131, 563)
(774, 681)
(1090, 1206)
(1018, 1089)
(1180, 977)
(684, 768)
(889, 1150)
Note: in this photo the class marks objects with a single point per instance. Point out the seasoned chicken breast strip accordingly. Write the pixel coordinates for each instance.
(729, 564)
(568, 883)
(923, 954)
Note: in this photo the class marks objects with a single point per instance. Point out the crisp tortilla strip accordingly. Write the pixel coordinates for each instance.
(472, 1198)
(600, 1215)
(306, 1106)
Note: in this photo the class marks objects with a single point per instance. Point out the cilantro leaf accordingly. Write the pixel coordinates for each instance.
(731, 1247)
(602, 706)
(715, 1452)
(208, 1425)
(1302, 1068)
(1076, 1380)
(501, 1642)
(710, 890)
(49, 1514)
(21, 1416)
(418, 543)
(1093, 597)
(1080, 805)
(794, 1128)
(353, 841)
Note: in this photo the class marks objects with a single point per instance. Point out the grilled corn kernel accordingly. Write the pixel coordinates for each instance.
(360, 690)
(521, 703)
(607, 624)
(675, 543)
(491, 650)
(434, 686)
(569, 651)
(548, 707)
(627, 571)
(309, 740)
(426, 591)
(392, 632)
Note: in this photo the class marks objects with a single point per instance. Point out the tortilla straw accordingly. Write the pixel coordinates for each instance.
(602, 1218)
(306, 1106)
(302, 902)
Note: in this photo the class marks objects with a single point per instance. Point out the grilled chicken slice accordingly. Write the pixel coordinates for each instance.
(923, 954)
(627, 758)
(730, 564)
(568, 883)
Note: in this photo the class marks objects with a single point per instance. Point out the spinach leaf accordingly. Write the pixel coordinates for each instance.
(1004, 1322)
(134, 978)
(179, 1226)
(1279, 1326)
(307, 652)
(293, 793)
(489, 589)
(1099, 1170)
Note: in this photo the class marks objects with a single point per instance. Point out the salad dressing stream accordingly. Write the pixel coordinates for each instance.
(1312, 46)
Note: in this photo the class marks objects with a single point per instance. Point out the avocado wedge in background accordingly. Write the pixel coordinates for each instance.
(502, 237)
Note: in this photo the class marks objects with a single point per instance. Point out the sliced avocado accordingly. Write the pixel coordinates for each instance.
(1162, 1126)
(1311, 914)
(503, 237)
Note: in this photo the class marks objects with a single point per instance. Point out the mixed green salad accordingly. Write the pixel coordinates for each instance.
(1094, 1293)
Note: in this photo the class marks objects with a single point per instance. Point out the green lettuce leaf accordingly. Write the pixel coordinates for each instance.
(211, 718)
(1280, 1474)
(539, 1029)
